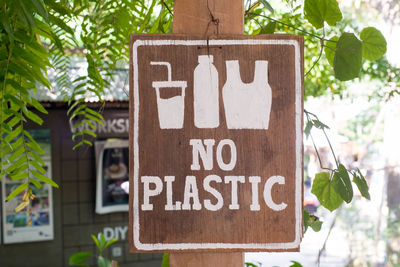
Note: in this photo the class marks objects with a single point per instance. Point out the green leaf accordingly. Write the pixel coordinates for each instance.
(16, 164)
(330, 48)
(31, 58)
(17, 191)
(17, 131)
(96, 119)
(40, 8)
(267, 5)
(96, 241)
(77, 145)
(17, 154)
(348, 57)
(342, 184)
(28, 16)
(32, 116)
(269, 28)
(295, 264)
(5, 20)
(34, 146)
(102, 241)
(306, 217)
(19, 176)
(165, 260)
(319, 11)
(90, 124)
(87, 142)
(37, 105)
(110, 242)
(37, 166)
(36, 183)
(307, 130)
(95, 113)
(72, 106)
(36, 157)
(312, 221)
(374, 43)
(103, 262)
(362, 185)
(325, 192)
(320, 125)
(79, 257)
(316, 224)
(44, 179)
(89, 133)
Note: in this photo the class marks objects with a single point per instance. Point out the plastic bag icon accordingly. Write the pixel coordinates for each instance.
(247, 105)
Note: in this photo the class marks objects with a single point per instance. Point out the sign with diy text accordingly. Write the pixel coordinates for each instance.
(216, 156)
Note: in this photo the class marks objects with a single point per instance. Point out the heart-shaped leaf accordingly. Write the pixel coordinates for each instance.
(326, 194)
(319, 11)
(330, 48)
(374, 44)
(348, 57)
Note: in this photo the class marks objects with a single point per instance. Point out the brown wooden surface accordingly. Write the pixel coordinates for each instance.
(187, 14)
(209, 259)
(193, 17)
(263, 153)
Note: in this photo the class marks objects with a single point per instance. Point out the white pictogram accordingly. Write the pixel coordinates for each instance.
(171, 110)
(205, 91)
(247, 105)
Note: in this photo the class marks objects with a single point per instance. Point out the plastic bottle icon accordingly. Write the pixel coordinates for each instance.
(247, 105)
(171, 110)
(205, 91)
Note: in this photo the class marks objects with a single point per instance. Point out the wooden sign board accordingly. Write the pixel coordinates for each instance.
(216, 156)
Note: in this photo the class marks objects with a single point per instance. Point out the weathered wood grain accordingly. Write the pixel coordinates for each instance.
(264, 153)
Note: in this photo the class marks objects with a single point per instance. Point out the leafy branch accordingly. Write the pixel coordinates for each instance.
(78, 259)
(347, 51)
(334, 186)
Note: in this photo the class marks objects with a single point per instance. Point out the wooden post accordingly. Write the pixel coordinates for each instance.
(208, 17)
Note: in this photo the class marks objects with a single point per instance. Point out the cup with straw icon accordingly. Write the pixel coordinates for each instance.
(170, 110)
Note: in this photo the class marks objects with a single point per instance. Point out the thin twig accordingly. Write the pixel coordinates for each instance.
(166, 6)
(326, 239)
(315, 147)
(291, 26)
(319, 57)
(259, 24)
(330, 146)
(326, 136)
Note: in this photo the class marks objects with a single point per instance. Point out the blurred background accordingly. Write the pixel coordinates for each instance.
(364, 131)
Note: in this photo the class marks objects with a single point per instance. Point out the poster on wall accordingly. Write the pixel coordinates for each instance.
(15, 228)
(112, 157)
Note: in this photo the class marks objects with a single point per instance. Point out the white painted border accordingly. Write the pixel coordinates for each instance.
(299, 150)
